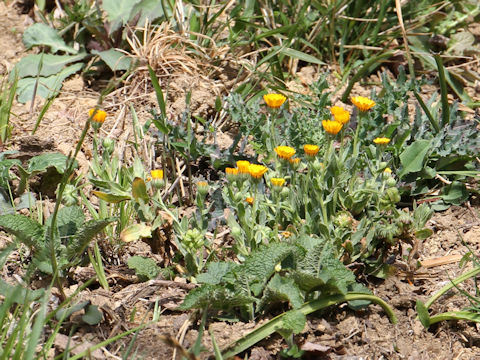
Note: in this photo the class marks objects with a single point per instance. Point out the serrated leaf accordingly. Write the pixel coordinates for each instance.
(92, 315)
(40, 34)
(25, 229)
(412, 158)
(84, 235)
(110, 198)
(216, 297)
(48, 64)
(69, 220)
(136, 232)
(44, 161)
(145, 268)
(115, 60)
(216, 272)
(280, 289)
(294, 320)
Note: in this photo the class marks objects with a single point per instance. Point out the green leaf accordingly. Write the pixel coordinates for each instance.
(280, 289)
(118, 12)
(412, 158)
(115, 60)
(69, 220)
(145, 268)
(47, 86)
(294, 320)
(92, 315)
(135, 232)
(423, 233)
(40, 34)
(139, 190)
(456, 193)
(51, 64)
(151, 10)
(215, 297)
(110, 198)
(301, 56)
(423, 314)
(28, 231)
(65, 313)
(84, 235)
(42, 162)
(216, 272)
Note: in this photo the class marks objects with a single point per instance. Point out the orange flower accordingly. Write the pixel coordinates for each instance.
(387, 170)
(311, 150)
(274, 101)
(331, 126)
(249, 200)
(363, 103)
(242, 166)
(257, 171)
(285, 152)
(97, 115)
(231, 171)
(381, 141)
(277, 181)
(342, 116)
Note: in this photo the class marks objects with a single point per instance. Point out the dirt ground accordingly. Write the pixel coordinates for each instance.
(339, 333)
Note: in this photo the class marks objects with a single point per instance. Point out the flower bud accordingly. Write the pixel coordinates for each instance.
(108, 144)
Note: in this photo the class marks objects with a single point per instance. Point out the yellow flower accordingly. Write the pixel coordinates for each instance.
(242, 166)
(363, 103)
(277, 181)
(311, 150)
(285, 152)
(331, 126)
(387, 170)
(274, 101)
(341, 115)
(231, 171)
(295, 161)
(257, 171)
(97, 115)
(202, 188)
(381, 141)
(249, 200)
(156, 174)
(286, 234)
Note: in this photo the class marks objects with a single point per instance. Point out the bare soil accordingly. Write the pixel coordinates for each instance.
(337, 333)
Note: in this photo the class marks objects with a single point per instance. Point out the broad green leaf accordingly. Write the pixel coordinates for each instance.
(26, 230)
(456, 193)
(69, 220)
(423, 233)
(65, 313)
(413, 157)
(216, 272)
(110, 198)
(139, 189)
(118, 12)
(47, 86)
(215, 297)
(26, 201)
(40, 34)
(135, 232)
(42, 162)
(92, 315)
(145, 268)
(281, 289)
(48, 64)
(115, 59)
(151, 10)
(423, 314)
(294, 320)
(84, 235)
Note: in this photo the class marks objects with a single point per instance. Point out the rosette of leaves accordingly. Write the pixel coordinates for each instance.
(72, 235)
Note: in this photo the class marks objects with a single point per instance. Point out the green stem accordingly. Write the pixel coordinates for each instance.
(277, 323)
(357, 133)
(443, 90)
(455, 315)
(452, 284)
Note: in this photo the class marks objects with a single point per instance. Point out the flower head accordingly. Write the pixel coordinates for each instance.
(242, 166)
(277, 181)
(202, 188)
(363, 103)
(387, 170)
(381, 140)
(340, 114)
(285, 152)
(311, 150)
(257, 171)
(249, 200)
(98, 117)
(156, 174)
(331, 126)
(231, 173)
(274, 101)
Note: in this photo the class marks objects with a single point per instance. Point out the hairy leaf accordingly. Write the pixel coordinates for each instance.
(145, 268)
(43, 35)
(85, 234)
(280, 289)
(215, 297)
(216, 272)
(26, 230)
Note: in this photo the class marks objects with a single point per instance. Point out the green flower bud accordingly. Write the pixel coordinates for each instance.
(343, 219)
(70, 195)
(285, 191)
(236, 232)
(193, 239)
(391, 182)
(393, 195)
(108, 144)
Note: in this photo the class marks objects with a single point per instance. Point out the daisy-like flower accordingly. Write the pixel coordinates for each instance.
(387, 170)
(249, 200)
(363, 103)
(257, 171)
(202, 188)
(156, 174)
(342, 116)
(311, 150)
(332, 127)
(242, 166)
(274, 101)
(98, 115)
(381, 140)
(285, 152)
(277, 181)
(286, 234)
(231, 173)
